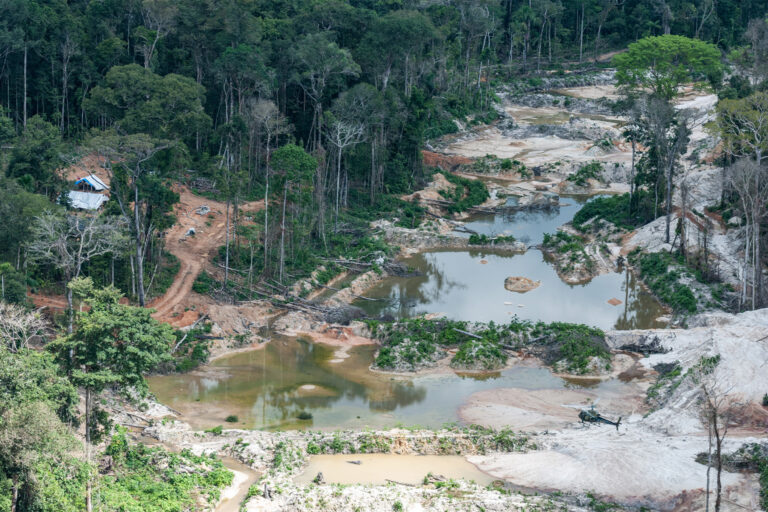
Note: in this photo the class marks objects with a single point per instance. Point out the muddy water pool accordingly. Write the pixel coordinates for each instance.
(379, 469)
(269, 387)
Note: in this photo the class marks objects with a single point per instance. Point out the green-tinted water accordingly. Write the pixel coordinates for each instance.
(268, 388)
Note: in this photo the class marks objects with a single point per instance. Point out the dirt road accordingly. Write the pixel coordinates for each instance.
(194, 252)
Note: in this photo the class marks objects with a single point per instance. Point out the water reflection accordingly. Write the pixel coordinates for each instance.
(527, 226)
(268, 388)
(476, 292)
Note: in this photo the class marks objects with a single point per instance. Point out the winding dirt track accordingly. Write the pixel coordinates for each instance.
(193, 252)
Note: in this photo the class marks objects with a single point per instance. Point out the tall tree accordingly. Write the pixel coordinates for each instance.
(144, 199)
(68, 242)
(321, 65)
(662, 64)
(113, 345)
(294, 167)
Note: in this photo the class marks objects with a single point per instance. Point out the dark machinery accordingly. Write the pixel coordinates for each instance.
(588, 414)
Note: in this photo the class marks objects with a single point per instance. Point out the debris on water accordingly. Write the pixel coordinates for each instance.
(507, 303)
(614, 301)
(358, 462)
(520, 284)
(483, 262)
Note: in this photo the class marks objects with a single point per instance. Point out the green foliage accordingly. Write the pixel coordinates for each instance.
(304, 415)
(17, 207)
(113, 343)
(152, 479)
(14, 285)
(479, 354)
(592, 170)
(144, 102)
(663, 63)
(622, 211)
(232, 418)
(31, 376)
(468, 193)
(203, 283)
(482, 239)
(655, 272)
(36, 156)
(576, 344)
(217, 430)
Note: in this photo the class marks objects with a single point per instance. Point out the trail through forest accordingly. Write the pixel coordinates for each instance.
(194, 251)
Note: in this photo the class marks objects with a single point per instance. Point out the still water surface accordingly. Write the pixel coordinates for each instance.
(268, 388)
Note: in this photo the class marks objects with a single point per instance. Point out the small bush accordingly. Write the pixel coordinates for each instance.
(217, 430)
(588, 171)
(203, 283)
(765, 400)
(304, 415)
(232, 419)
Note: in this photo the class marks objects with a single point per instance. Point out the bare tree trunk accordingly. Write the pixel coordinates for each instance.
(24, 101)
(139, 247)
(14, 494)
(719, 453)
(709, 464)
(226, 247)
(88, 484)
(282, 233)
(581, 34)
(70, 310)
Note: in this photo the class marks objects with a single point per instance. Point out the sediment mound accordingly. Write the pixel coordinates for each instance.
(520, 284)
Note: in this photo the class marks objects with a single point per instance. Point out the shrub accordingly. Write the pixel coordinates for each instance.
(304, 415)
(618, 210)
(232, 419)
(588, 171)
(203, 283)
(217, 430)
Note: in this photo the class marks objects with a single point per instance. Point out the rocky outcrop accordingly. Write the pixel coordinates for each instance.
(520, 284)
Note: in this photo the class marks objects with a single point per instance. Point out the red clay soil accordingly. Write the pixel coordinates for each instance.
(193, 252)
(444, 162)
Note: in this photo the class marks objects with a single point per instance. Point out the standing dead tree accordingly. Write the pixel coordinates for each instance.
(70, 241)
(716, 407)
(18, 326)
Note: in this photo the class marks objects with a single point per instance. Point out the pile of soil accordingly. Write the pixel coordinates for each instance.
(520, 284)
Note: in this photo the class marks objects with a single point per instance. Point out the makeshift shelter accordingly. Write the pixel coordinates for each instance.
(86, 200)
(91, 182)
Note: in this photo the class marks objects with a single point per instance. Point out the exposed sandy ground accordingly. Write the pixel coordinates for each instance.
(593, 92)
(633, 466)
(194, 252)
(526, 410)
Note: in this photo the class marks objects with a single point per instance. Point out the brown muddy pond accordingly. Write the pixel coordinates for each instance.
(268, 388)
(379, 469)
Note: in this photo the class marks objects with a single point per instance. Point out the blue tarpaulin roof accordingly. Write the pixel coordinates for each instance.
(93, 181)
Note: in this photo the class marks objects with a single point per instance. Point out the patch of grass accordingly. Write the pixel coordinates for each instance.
(479, 354)
(203, 283)
(664, 282)
(468, 193)
(482, 239)
(575, 344)
(217, 430)
(592, 170)
(618, 210)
